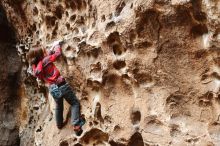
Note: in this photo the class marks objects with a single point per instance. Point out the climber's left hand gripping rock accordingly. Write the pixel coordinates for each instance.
(54, 45)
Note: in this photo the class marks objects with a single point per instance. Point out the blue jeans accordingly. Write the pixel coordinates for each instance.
(65, 92)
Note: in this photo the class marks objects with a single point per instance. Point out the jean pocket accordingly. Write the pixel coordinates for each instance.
(55, 91)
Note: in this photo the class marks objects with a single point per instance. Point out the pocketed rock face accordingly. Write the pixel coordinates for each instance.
(146, 72)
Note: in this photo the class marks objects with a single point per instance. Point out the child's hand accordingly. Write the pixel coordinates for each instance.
(56, 43)
(59, 42)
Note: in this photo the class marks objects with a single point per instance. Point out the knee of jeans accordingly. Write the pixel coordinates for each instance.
(75, 102)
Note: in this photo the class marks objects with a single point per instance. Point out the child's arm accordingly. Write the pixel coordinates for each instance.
(52, 57)
(56, 53)
(37, 70)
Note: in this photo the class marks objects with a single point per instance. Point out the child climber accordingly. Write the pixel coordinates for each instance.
(44, 69)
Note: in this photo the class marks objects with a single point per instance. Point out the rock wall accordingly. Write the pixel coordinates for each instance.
(146, 72)
(9, 84)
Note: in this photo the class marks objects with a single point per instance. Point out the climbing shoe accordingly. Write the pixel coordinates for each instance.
(78, 128)
(60, 126)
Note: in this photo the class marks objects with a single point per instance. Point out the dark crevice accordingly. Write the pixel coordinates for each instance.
(10, 81)
(136, 140)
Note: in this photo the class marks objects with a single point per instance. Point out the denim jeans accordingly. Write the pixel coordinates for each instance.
(65, 92)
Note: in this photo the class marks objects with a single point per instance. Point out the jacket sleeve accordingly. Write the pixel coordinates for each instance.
(37, 70)
(53, 55)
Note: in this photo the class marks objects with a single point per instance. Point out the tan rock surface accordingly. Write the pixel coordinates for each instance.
(146, 72)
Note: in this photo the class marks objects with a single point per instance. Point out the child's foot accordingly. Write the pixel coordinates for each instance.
(60, 126)
(82, 120)
(78, 128)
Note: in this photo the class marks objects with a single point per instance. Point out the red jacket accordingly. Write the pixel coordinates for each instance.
(46, 70)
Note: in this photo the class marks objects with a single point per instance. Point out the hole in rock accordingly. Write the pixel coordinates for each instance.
(39, 129)
(76, 40)
(94, 135)
(94, 52)
(34, 27)
(174, 130)
(114, 42)
(76, 4)
(50, 21)
(80, 21)
(197, 10)
(35, 11)
(73, 18)
(90, 124)
(54, 34)
(96, 67)
(72, 5)
(119, 64)
(64, 143)
(132, 36)
(147, 23)
(206, 99)
(113, 143)
(135, 116)
(48, 36)
(76, 30)
(42, 2)
(98, 112)
(108, 119)
(119, 8)
(200, 16)
(110, 25)
(142, 77)
(93, 24)
(183, 17)
(145, 44)
(103, 18)
(110, 16)
(131, 5)
(199, 30)
(68, 26)
(117, 49)
(95, 122)
(215, 75)
(79, 4)
(136, 140)
(84, 5)
(204, 77)
(110, 79)
(200, 54)
(67, 14)
(218, 98)
(174, 100)
(117, 128)
(59, 11)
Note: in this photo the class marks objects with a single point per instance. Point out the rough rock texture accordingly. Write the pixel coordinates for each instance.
(146, 72)
(9, 84)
